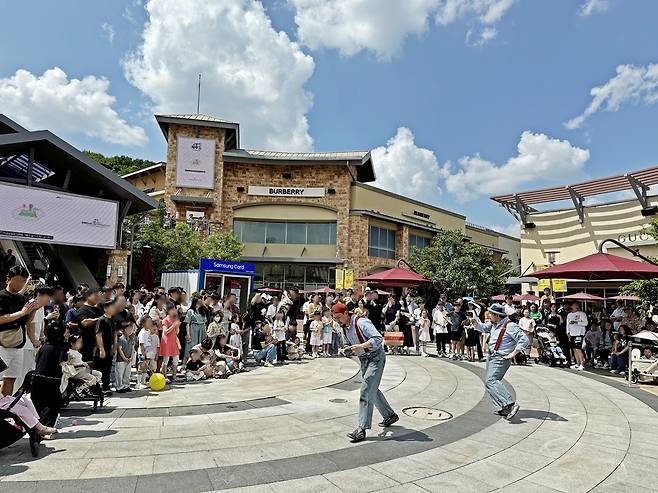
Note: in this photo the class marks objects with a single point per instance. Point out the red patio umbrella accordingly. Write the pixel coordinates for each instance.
(526, 297)
(624, 297)
(600, 266)
(582, 297)
(325, 291)
(268, 290)
(499, 297)
(395, 277)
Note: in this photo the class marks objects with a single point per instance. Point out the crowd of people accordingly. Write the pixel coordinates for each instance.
(112, 340)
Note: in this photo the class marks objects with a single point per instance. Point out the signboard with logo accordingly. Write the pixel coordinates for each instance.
(339, 278)
(195, 163)
(287, 191)
(35, 214)
(559, 285)
(228, 266)
(348, 279)
(543, 284)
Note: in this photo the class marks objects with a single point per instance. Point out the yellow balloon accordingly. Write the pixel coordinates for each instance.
(157, 381)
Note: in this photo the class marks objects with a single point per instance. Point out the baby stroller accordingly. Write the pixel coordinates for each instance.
(643, 369)
(549, 351)
(12, 432)
(77, 391)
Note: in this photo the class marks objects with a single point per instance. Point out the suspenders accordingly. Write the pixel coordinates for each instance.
(500, 336)
(359, 335)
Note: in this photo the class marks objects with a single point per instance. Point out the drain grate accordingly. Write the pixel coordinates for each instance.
(427, 413)
(338, 401)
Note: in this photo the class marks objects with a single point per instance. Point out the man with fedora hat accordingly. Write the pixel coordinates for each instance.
(363, 340)
(506, 340)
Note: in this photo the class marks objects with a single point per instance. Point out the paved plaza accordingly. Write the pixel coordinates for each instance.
(283, 429)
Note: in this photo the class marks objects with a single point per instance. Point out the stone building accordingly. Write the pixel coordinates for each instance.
(300, 215)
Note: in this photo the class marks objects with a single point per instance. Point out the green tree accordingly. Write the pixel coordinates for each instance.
(458, 267)
(223, 246)
(121, 165)
(177, 248)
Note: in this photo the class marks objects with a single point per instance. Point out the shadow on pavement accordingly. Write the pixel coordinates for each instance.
(536, 414)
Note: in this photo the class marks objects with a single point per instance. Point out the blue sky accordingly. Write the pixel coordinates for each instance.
(461, 99)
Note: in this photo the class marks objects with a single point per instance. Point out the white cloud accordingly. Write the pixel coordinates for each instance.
(485, 14)
(350, 26)
(252, 74)
(403, 167)
(594, 7)
(109, 31)
(381, 26)
(538, 156)
(513, 229)
(632, 84)
(73, 106)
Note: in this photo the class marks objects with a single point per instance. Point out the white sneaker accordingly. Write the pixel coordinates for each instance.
(613, 371)
(268, 364)
(598, 365)
(424, 354)
(606, 366)
(580, 368)
(574, 367)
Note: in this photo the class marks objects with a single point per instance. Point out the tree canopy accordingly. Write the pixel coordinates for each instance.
(646, 290)
(458, 267)
(121, 165)
(180, 247)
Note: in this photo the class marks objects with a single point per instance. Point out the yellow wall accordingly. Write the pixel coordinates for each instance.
(561, 231)
(365, 197)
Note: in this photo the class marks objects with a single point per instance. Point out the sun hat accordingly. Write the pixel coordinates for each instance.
(497, 309)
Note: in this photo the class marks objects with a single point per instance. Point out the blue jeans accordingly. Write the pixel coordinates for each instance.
(495, 372)
(618, 362)
(268, 354)
(334, 343)
(372, 368)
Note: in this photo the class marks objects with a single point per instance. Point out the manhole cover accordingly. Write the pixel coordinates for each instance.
(427, 413)
(338, 401)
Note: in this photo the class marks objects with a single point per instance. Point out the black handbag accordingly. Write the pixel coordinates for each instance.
(3, 365)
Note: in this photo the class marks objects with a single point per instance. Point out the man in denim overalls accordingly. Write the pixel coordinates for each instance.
(506, 340)
(363, 340)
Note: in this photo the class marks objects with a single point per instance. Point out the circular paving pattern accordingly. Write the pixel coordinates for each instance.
(280, 429)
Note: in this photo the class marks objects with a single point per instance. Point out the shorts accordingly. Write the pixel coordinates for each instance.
(456, 336)
(316, 339)
(13, 358)
(576, 342)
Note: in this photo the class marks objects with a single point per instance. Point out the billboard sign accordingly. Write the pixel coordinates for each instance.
(195, 163)
(46, 216)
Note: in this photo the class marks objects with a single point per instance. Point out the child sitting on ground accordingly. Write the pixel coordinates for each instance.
(295, 352)
(316, 333)
(83, 372)
(149, 343)
(195, 368)
(228, 354)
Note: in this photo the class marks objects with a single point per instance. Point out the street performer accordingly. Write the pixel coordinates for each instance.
(506, 340)
(363, 340)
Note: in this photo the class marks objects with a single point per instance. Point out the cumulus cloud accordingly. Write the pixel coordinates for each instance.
(594, 7)
(537, 156)
(381, 26)
(403, 167)
(252, 74)
(69, 106)
(632, 84)
(485, 14)
(350, 26)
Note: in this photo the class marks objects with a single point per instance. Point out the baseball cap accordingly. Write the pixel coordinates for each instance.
(339, 308)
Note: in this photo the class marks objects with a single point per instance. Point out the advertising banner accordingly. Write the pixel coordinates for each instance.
(339, 278)
(348, 279)
(195, 163)
(543, 284)
(559, 285)
(286, 191)
(35, 214)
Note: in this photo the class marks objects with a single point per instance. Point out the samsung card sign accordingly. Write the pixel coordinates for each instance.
(287, 191)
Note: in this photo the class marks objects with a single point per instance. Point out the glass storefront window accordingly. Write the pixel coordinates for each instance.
(419, 242)
(295, 274)
(253, 232)
(381, 242)
(276, 233)
(296, 234)
(305, 276)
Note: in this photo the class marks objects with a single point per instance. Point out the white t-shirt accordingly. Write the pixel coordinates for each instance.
(509, 309)
(618, 313)
(38, 321)
(151, 343)
(527, 324)
(576, 324)
(271, 311)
